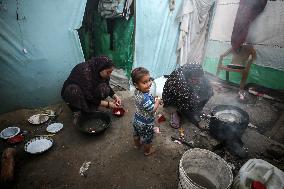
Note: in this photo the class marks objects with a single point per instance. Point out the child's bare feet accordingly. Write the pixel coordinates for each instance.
(148, 149)
(137, 143)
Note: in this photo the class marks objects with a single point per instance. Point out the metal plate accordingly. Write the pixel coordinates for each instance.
(54, 127)
(38, 119)
(38, 145)
(9, 132)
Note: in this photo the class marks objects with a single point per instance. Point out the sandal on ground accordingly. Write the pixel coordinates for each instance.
(175, 121)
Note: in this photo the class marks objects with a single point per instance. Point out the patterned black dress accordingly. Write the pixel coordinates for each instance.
(85, 88)
(188, 91)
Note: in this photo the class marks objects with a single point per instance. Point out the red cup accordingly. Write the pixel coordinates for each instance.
(161, 118)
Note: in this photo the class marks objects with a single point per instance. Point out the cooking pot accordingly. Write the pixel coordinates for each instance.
(228, 122)
(94, 123)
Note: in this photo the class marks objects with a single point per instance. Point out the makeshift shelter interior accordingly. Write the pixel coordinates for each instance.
(40, 43)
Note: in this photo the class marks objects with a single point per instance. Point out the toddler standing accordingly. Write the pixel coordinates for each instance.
(146, 106)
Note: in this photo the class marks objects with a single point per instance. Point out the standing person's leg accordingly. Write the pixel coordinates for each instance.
(147, 138)
(136, 136)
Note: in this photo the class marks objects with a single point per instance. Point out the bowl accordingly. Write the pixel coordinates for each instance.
(118, 112)
(38, 145)
(9, 132)
(94, 123)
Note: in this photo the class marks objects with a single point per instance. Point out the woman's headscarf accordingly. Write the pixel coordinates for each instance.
(100, 63)
(192, 71)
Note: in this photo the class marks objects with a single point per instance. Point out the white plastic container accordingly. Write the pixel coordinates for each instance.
(259, 170)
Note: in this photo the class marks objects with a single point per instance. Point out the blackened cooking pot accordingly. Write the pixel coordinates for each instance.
(228, 122)
(94, 123)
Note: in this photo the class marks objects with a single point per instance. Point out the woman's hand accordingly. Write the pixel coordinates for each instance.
(113, 105)
(117, 100)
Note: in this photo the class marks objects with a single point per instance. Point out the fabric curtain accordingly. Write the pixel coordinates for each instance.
(193, 18)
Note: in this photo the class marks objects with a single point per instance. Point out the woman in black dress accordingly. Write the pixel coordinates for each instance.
(187, 91)
(87, 86)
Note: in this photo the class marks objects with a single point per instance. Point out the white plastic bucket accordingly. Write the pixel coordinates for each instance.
(259, 170)
(203, 169)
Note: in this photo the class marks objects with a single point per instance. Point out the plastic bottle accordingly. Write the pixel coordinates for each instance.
(258, 170)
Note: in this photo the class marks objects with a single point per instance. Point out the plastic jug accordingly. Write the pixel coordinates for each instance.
(261, 172)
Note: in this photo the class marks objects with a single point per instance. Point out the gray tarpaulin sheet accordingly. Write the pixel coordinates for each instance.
(39, 46)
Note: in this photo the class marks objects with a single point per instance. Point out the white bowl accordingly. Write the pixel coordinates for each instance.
(9, 132)
(38, 145)
(54, 127)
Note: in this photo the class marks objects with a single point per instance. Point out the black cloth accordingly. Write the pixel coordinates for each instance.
(188, 91)
(248, 10)
(85, 88)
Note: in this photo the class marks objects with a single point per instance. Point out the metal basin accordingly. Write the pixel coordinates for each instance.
(94, 123)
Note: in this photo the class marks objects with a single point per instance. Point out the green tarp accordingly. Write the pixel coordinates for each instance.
(114, 39)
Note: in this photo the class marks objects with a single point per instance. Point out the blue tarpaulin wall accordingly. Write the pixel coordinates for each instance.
(156, 36)
(39, 46)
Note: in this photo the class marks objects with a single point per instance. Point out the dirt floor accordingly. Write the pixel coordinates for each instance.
(114, 161)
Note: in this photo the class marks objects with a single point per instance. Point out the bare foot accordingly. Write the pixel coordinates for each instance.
(151, 151)
(137, 143)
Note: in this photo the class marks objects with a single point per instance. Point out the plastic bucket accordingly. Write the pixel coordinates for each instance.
(203, 169)
(258, 170)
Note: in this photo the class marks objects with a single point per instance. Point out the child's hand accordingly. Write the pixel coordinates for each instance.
(158, 100)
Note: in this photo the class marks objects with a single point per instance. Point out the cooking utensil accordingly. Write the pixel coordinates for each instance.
(183, 141)
(15, 139)
(38, 119)
(50, 135)
(54, 127)
(38, 145)
(118, 112)
(9, 132)
(228, 122)
(94, 123)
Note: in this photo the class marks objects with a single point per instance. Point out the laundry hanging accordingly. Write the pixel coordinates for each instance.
(193, 19)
